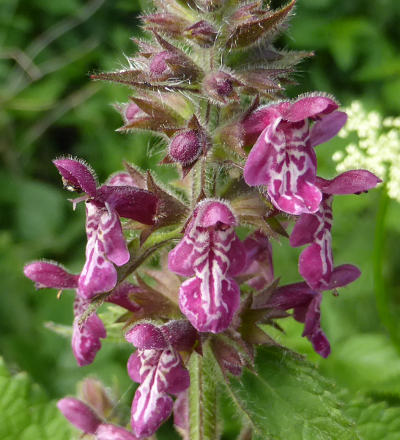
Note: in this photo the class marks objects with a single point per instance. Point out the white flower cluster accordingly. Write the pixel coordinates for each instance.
(377, 148)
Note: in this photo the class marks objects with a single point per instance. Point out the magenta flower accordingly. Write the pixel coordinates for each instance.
(158, 367)
(306, 303)
(86, 336)
(212, 252)
(316, 261)
(105, 205)
(283, 157)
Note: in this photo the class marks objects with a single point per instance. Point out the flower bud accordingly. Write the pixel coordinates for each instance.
(185, 147)
(94, 393)
(107, 431)
(220, 86)
(79, 414)
(158, 66)
(202, 32)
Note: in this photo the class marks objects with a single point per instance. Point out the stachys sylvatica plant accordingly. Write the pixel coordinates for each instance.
(209, 81)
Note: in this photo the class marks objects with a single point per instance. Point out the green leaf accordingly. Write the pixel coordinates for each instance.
(286, 398)
(375, 421)
(366, 362)
(26, 413)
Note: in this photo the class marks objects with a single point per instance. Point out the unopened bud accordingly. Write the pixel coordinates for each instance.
(158, 66)
(79, 414)
(186, 146)
(220, 86)
(106, 431)
(130, 112)
(202, 32)
(94, 393)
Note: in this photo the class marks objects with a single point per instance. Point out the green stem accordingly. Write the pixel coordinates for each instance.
(381, 292)
(202, 398)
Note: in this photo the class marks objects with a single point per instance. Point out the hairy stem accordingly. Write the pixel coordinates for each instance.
(202, 398)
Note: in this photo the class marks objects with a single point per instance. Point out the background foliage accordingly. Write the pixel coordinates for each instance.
(49, 107)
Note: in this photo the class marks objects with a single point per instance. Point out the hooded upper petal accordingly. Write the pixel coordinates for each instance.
(76, 175)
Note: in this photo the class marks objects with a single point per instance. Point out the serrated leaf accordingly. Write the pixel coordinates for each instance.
(26, 413)
(375, 421)
(286, 398)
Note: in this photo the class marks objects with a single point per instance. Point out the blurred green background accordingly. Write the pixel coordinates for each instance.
(49, 107)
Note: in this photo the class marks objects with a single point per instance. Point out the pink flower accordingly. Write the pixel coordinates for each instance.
(212, 254)
(306, 304)
(86, 336)
(158, 367)
(105, 205)
(283, 157)
(316, 261)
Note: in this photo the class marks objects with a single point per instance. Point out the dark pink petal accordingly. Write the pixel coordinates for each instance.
(180, 334)
(110, 230)
(86, 337)
(106, 431)
(181, 258)
(134, 366)
(130, 202)
(327, 128)
(209, 303)
(261, 157)
(343, 275)
(120, 296)
(309, 107)
(291, 296)
(304, 230)
(149, 411)
(146, 336)
(236, 256)
(76, 175)
(349, 182)
(79, 414)
(178, 379)
(316, 264)
(46, 274)
(312, 328)
(212, 212)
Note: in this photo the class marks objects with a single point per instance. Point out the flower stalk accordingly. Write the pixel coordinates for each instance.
(208, 81)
